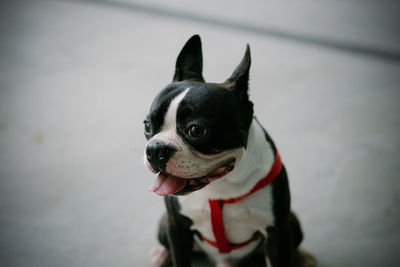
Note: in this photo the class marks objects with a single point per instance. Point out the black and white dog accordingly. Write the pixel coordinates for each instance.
(226, 190)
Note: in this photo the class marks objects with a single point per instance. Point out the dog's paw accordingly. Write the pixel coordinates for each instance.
(305, 259)
(223, 264)
(159, 257)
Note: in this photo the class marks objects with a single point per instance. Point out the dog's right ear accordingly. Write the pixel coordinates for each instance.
(189, 65)
(239, 80)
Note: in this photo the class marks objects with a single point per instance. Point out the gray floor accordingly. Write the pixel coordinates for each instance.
(77, 78)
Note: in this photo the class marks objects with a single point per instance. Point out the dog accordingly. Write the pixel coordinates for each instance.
(225, 188)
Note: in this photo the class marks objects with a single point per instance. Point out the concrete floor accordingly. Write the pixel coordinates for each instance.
(77, 78)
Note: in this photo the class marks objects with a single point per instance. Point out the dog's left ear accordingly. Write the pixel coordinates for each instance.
(239, 80)
(189, 65)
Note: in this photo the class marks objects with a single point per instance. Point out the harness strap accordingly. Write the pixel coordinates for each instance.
(232, 246)
(216, 208)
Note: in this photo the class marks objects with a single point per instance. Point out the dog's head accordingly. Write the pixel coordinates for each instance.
(197, 131)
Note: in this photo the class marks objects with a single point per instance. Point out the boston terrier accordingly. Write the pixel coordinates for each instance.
(225, 188)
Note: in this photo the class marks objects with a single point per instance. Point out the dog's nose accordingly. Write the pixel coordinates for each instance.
(158, 154)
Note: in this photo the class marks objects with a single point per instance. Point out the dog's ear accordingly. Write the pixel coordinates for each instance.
(189, 65)
(239, 80)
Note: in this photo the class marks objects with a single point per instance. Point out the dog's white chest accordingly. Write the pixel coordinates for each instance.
(241, 219)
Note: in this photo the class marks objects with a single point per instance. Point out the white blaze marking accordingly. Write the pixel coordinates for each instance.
(168, 130)
(170, 116)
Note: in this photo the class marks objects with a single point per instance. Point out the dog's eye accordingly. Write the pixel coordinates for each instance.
(147, 127)
(196, 131)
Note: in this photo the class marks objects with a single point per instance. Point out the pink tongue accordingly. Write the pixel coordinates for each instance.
(167, 184)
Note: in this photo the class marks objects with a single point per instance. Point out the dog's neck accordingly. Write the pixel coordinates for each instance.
(254, 164)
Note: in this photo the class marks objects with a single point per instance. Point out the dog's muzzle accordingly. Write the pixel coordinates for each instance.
(158, 154)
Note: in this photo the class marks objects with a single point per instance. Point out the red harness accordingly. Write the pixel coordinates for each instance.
(216, 205)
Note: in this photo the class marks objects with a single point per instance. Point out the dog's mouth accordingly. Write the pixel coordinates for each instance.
(168, 184)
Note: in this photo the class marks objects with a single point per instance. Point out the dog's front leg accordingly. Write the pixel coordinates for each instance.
(279, 247)
(179, 235)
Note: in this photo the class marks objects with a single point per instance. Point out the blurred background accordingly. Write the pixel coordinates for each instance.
(77, 79)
